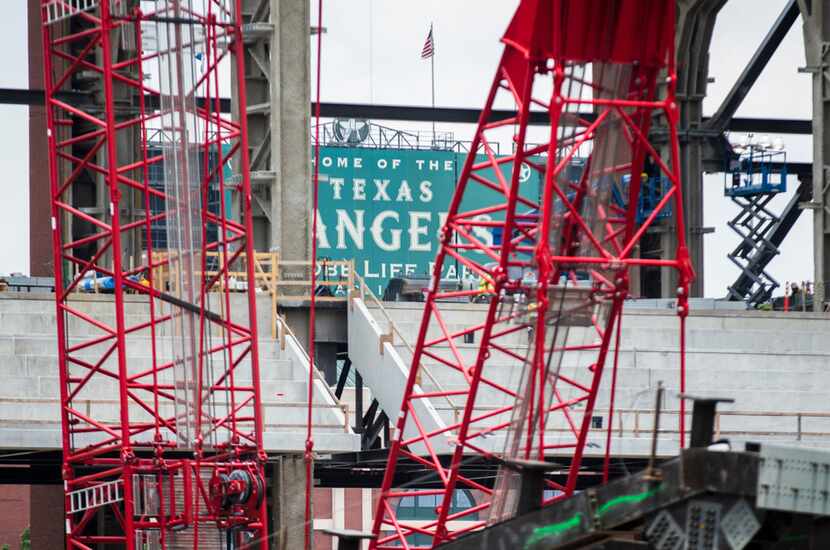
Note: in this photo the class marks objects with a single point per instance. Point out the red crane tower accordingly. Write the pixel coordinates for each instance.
(160, 399)
(556, 273)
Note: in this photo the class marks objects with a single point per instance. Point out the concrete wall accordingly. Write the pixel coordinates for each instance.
(774, 365)
(29, 406)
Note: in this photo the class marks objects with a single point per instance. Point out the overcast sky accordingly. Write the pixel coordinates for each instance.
(14, 143)
(371, 53)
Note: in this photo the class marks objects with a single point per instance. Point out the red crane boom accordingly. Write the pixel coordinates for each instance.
(556, 272)
(159, 382)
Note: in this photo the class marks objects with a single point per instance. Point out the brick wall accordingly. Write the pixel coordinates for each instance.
(46, 516)
(14, 513)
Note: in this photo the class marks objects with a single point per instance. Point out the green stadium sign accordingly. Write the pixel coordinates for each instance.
(384, 208)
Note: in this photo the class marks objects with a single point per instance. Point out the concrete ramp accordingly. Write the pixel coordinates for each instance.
(373, 352)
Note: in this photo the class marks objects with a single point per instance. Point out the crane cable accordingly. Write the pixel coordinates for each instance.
(309, 442)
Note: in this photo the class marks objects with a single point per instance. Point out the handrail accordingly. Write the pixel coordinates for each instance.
(88, 403)
(317, 375)
(364, 289)
(267, 276)
(637, 430)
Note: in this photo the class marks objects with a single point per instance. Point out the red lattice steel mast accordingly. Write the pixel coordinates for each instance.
(160, 400)
(557, 274)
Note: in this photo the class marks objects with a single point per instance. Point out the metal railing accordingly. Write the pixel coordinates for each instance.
(639, 417)
(361, 133)
(285, 329)
(639, 423)
(58, 10)
(86, 405)
(628, 422)
(269, 276)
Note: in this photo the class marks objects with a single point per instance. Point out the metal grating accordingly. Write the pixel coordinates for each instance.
(664, 533)
(58, 10)
(148, 539)
(147, 495)
(95, 496)
(739, 525)
(702, 525)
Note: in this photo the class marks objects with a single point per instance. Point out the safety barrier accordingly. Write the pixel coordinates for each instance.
(283, 280)
(639, 423)
(85, 406)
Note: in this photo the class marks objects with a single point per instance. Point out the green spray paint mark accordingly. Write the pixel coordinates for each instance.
(541, 533)
(627, 499)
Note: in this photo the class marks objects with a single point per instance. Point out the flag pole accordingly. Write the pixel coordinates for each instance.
(432, 67)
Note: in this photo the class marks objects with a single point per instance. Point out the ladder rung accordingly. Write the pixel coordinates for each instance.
(58, 10)
(95, 496)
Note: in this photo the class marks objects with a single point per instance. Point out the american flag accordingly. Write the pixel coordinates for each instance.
(429, 46)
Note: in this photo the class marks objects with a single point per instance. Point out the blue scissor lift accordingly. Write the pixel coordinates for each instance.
(752, 181)
(652, 190)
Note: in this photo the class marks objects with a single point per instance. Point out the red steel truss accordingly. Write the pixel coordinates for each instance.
(160, 399)
(556, 271)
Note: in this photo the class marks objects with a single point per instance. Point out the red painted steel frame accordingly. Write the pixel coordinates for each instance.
(596, 56)
(119, 397)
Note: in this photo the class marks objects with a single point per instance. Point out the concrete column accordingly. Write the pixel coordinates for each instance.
(278, 95)
(816, 17)
(40, 227)
(290, 125)
(46, 516)
(287, 527)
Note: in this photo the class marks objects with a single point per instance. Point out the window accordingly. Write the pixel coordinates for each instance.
(424, 507)
(550, 493)
(156, 176)
(596, 422)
